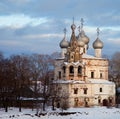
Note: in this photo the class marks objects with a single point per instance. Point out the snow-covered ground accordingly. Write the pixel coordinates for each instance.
(79, 113)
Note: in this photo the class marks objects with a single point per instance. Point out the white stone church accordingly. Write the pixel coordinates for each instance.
(80, 79)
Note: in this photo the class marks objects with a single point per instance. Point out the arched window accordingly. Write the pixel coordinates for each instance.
(84, 50)
(101, 76)
(71, 69)
(100, 90)
(75, 90)
(79, 70)
(92, 74)
(64, 69)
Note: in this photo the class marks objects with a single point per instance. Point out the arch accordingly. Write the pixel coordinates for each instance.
(76, 102)
(105, 102)
(71, 69)
(64, 69)
(79, 70)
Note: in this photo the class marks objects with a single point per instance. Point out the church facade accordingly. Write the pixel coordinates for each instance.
(80, 79)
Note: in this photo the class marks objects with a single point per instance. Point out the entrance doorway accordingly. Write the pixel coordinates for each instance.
(105, 102)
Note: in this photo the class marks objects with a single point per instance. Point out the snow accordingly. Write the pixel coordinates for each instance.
(68, 81)
(78, 113)
(100, 81)
(91, 57)
(93, 81)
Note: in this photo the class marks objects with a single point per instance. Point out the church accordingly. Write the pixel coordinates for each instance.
(81, 80)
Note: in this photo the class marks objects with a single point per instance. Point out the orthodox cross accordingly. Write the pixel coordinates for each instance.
(65, 30)
(82, 22)
(73, 20)
(98, 32)
(79, 29)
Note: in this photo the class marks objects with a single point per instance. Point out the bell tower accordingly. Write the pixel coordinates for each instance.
(73, 54)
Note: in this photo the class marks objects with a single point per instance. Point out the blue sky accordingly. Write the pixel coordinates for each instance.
(36, 26)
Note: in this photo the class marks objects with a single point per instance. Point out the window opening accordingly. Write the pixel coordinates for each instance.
(71, 69)
(64, 69)
(75, 90)
(92, 74)
(59, 74)
(79, 70)
(100, 89)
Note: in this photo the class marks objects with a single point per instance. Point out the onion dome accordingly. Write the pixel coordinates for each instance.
(97, 44)
(85, 39)
(80, 41)
(64, 43)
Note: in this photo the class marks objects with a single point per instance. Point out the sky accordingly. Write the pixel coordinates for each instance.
(36, 26)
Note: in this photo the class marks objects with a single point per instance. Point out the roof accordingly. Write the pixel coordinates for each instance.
(83, 56)
(90, 81)
(68, 81)
(100, 81)
(90, 56)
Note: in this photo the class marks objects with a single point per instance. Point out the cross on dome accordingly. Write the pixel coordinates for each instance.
(98, 32)
(82, 20)
(73, 20)
(65, 30)
(79, 29)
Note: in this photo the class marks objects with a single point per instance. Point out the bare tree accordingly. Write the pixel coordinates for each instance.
(114, 70)
(20, 73)
(39, 69)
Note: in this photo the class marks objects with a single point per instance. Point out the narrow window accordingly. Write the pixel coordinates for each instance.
(84, 50)
(101, 75)
(75, 90)
(59, 73)
(100, 89)
(71, 69)
(79, 70)
(92, 74)
(64, 69)
(85, 90)
(99, 101)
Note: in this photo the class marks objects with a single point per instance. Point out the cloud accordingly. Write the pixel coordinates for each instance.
(19, 1)
(115, 41)
(37, 25)
(39, 36)
(20, 20)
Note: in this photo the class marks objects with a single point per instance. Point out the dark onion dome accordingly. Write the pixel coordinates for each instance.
(84, 38)
(80, 41)
(97, 44)
(64, 43)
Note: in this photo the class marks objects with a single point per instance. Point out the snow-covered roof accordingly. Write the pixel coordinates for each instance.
(100, 81)
(24, 98)
(68, 81)
(90, 56)
(60, 58)
(83, 56)
(74, 63)
(94, 81)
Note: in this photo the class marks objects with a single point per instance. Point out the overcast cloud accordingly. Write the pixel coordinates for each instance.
(36, 26)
